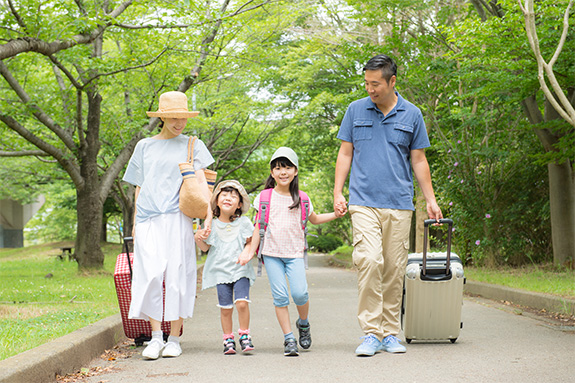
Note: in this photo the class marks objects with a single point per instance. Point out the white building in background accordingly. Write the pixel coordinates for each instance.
(13, 218)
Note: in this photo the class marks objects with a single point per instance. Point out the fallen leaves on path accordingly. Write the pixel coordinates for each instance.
(108, 360)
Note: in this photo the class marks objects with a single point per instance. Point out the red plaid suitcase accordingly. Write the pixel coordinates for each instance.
(138, 329)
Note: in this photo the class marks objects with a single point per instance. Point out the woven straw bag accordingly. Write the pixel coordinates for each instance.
(193, 203)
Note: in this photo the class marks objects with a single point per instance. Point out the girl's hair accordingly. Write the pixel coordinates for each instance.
(294, 184)
(216, 211)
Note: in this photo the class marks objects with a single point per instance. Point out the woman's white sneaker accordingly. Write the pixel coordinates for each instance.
(153, 350)
(172, 350)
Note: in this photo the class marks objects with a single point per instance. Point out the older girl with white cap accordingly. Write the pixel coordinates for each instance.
(230, 233)
(284, 245)
(164, 251)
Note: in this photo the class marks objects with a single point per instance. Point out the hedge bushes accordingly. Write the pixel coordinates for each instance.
(324, 243)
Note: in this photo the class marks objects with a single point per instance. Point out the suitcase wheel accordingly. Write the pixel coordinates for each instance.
(453, 340)
(408, 341)
(141, 339)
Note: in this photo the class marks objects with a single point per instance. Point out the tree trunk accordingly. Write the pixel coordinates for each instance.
(561, 186)
(561, 201)
(562, 204)
(89, 229)
(123, 194)
(128, 221)
(90, 205)
(104, 235)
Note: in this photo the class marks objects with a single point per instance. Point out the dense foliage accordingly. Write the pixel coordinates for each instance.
(324, 243)
(284, 73)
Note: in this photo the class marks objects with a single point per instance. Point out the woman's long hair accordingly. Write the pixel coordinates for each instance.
(294, 184)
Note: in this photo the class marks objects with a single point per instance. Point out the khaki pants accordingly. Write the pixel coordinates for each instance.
(381, 244)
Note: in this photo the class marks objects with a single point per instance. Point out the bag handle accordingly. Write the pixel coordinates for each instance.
(426, 224)
(191, 143)
(127, 251)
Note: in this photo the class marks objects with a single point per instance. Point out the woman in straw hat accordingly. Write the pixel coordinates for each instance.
(231, 232)
(164, 251)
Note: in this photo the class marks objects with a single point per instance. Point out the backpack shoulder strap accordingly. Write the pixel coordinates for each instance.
(262, 219)
(263, 216)
(304, 200)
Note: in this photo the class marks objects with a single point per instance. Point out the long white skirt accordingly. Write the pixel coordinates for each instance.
(164, 251)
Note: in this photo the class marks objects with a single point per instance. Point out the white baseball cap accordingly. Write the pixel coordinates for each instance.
(285, 152)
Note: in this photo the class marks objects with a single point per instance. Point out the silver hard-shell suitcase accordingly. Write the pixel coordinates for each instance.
(433, 292)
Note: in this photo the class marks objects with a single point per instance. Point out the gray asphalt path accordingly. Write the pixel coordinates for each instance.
(495, 345)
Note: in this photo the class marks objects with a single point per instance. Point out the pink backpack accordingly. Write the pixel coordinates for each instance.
(263, 217)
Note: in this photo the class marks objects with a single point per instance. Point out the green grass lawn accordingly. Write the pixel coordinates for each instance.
(536, 278)
(35, 309)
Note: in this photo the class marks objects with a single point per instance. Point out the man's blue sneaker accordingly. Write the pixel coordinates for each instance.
(391, 344)
(369, 346)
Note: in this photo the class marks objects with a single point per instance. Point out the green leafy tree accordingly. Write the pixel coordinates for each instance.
(558, 141)
(495, 53)
(478, 130)
(78, 77)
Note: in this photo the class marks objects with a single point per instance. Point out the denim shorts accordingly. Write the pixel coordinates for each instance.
(226, 292)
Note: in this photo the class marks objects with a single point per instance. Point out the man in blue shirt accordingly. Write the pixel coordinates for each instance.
(383, 140)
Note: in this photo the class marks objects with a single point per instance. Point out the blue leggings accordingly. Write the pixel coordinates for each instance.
(294, 268)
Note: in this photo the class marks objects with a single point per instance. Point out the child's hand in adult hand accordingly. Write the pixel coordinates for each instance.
(339, 206)
(340, 210)
(244, 257)
(201, 235)
(208, 225)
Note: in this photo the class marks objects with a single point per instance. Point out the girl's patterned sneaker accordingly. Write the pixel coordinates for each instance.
(290, 347)
(246, 343)
(229, 346)
(304, 335)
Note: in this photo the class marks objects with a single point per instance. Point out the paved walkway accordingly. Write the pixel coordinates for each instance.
(495, 345)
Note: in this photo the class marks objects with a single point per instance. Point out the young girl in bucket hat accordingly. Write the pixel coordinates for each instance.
(164, 250)
(230, 233)
(283, 246)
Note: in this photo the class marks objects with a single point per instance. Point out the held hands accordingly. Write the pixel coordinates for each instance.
(208, 225)
(201, 235)
(245, 256)
(339, 206)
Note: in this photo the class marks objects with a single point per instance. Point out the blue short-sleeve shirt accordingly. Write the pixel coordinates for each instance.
(381, 175)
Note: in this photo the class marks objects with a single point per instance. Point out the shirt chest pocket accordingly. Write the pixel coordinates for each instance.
(362, 130)
(402, 134)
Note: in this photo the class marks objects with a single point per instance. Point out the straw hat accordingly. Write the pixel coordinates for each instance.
(173, 105)
(236, 185)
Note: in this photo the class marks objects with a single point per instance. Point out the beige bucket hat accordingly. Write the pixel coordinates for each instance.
(173, 105)
(236, 185)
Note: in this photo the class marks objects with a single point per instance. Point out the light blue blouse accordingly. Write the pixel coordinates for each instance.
(154, 167)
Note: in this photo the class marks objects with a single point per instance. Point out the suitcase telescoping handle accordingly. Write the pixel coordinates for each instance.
(426, 224)
(127, 251)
